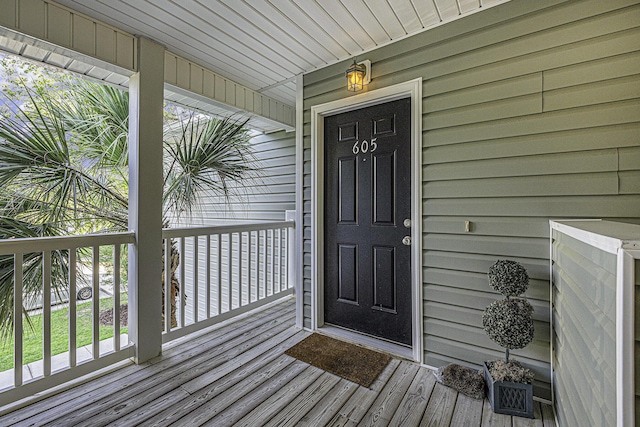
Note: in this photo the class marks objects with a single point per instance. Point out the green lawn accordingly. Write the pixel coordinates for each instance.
(32, 348)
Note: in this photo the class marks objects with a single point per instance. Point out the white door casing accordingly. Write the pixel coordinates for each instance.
(412, 89)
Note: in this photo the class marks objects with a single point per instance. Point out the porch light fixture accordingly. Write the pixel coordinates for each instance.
(358, 75)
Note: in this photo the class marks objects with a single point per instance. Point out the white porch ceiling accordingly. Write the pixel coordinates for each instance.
(264, 44)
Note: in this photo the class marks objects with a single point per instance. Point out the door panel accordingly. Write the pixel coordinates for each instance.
(384, 278)
(367, 197)
(348, 275)
(348, 193)
(384, 184)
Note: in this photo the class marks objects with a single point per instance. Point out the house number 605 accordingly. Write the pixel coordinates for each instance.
(364, 146)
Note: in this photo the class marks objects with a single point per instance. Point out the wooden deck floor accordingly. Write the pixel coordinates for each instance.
(238, 375)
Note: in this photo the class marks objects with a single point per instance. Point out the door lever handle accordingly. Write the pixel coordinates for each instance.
(406, 240)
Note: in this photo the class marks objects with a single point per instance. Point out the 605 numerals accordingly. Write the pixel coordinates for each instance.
(365, 146)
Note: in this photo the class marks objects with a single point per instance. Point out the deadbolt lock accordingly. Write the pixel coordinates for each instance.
(407, 223)
(406, 240)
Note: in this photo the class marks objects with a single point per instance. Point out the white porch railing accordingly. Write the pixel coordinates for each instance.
(52, 370)
(225, 271)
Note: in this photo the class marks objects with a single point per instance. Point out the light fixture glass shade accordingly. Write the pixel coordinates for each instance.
(355, 76)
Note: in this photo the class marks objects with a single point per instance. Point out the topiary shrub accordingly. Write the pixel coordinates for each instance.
(508, 322)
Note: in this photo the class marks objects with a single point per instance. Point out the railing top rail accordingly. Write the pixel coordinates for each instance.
(221, 229)
(39, 244)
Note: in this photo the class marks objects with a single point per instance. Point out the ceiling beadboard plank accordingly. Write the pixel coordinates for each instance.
(193, 48)
(314, 28)
(467, 6)
(257, 44)
(367, 21)
(407, 14)
(326, 21)
(256, 27)
(427, 12)
(448, 9)
(341, 15)
(276, 18)
(384, 14)
(196, 22)
(256, 21)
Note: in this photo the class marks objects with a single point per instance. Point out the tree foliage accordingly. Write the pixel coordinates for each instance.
(64, 164)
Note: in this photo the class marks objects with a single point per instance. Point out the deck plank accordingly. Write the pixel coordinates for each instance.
(216, 383)
(358, 404)
(387, 402)
(491, 419)
(253, 395)
(205, 412)
(329, 405)
(236, 373)
(536, 421)
(415, 400)
(269, 401)
(94, 389)
(468, 411)
(440, 407)
(120, 402)
(99, 397)
(291, 414)
(548, 420)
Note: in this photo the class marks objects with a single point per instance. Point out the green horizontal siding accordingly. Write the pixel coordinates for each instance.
(265, 198)
(531, 112)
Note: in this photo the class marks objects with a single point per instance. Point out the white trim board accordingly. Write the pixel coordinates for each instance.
(621, 240)
(411, 89)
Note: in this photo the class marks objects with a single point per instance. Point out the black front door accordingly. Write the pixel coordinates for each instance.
(367, 217)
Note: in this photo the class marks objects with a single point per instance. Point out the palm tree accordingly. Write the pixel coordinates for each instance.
(63, 170)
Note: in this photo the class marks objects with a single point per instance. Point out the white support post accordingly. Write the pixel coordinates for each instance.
(298, 259)
(146, 93)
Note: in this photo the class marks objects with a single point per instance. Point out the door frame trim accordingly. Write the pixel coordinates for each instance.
(410, 89)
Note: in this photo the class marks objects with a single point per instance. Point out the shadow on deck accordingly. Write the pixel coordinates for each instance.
(236, 374)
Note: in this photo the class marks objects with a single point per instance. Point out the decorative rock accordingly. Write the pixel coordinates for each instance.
(462, 379)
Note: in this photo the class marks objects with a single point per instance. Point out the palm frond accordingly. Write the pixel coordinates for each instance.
(202, 158)
(32, 288)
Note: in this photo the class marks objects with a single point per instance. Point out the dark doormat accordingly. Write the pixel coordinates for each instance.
(349, 361)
